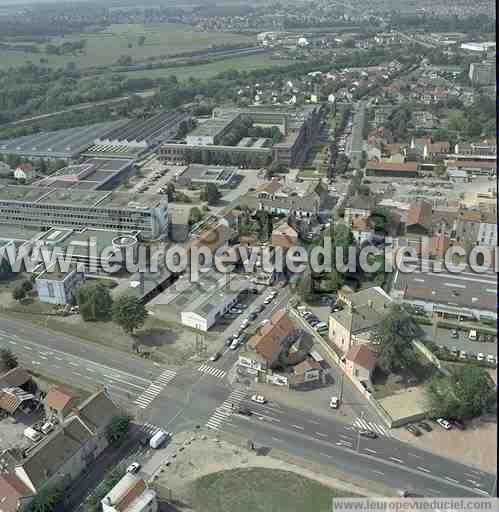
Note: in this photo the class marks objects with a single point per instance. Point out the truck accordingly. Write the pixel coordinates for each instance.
(158, 439)
(47, 427)
(32, 434)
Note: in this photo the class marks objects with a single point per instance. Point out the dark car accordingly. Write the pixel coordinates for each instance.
(457, 423)
(413, 430)
(423, 425)
(252, 317)
(144, 441)
(244, 411)
(260, 308)
(369, 434)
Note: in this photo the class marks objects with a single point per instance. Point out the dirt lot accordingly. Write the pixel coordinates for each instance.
(476, 446)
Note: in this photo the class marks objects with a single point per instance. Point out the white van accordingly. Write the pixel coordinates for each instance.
(158, 439)
(472, 335)
(32, 434)
(321, 326)
(47, 427)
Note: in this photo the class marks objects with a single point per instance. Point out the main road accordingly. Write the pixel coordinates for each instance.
(183, 398)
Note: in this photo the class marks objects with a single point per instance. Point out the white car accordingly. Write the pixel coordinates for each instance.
(480, 356)
(491, 359)
(334, 403)
(274, 293)
(444, 423)
(259, 399)
(133, 468)
(268, 300)
(235, 343)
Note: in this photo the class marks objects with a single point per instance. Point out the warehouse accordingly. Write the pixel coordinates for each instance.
(198, 175)
(60, 144)
(94, 174)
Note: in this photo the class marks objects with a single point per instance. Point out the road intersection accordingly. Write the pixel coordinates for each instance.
(184, 398)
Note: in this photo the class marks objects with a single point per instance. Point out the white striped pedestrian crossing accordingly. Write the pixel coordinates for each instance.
(369, 425)
(154, 389)
(150, 429)
(210, 370)
(225, 411)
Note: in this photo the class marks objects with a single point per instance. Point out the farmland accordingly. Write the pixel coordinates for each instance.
(107, 46)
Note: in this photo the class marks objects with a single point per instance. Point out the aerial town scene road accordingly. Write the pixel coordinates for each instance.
(247, 256)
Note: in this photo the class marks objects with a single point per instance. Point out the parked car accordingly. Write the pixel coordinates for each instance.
(473, 335)
(216, 356)
(423, 425)
(259, 399)
(480, 356)
(463, 354)
(244, 411)
(413, 430)
(252, 316)
(133, 468)
(444, 423)
(268, 300)
(491, 359)
(334, 403)
(260, 308)
(368, 433)
(454, 333)
(235, 311)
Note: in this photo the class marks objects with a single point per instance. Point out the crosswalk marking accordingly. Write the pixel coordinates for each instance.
(154, 389)
(222, 413)
(149, 428)
(210, 370)
(369, 425)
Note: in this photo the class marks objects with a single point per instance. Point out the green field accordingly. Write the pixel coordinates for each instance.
(244, 63)
(106, 46)
(261, 490)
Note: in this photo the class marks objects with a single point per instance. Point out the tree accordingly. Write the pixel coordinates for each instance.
(379, 220)
(466, 393)
(95, 302)
(8, 358)
(47, 499)
(117, 429)
(393, 338)
(18, 293)
(211, 194)
(129, 313)
(439, 169)
(195, 215)
(27, 286)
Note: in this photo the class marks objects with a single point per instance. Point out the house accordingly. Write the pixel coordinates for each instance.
(297, 199)
(419, 218)
(358, 211)
(16, 388)
(360, 362)
(57, 287)
(14, 494)
(284, 236)
(436, 150)
(360, 315)
(130, 494)
(72, 448)
(24, 172)
(58, 404)
(271, 341)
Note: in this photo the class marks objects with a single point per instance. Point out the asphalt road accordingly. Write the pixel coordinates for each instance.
(189, 398)
(384, 459)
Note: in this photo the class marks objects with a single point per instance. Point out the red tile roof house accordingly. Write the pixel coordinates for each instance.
(360, 363)
(14, 494)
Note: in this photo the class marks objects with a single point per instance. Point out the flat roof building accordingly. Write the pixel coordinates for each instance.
(199, 175)
(49, 207)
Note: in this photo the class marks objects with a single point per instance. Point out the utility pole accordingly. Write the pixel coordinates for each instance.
(341, 386)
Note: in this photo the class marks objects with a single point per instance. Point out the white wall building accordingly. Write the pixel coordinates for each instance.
(130, 494)
(55, 287)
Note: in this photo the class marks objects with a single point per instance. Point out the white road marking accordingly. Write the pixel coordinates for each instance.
(396, 460)
(12, 342)
(414, 455)
(325, 455)
(298, 427)
(321, 434)
(370, 451)
(346, 437)
(424, 469)
(434, 491)
(27, 348)
(451, 479)
(112, 377)
(90, 370)
(481, 491)
(43, 357)
(314, 422)
(277, 439)
(378, 472)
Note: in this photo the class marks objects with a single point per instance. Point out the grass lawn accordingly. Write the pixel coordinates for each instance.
(106, 46)
(244, 63)
(261, 490)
